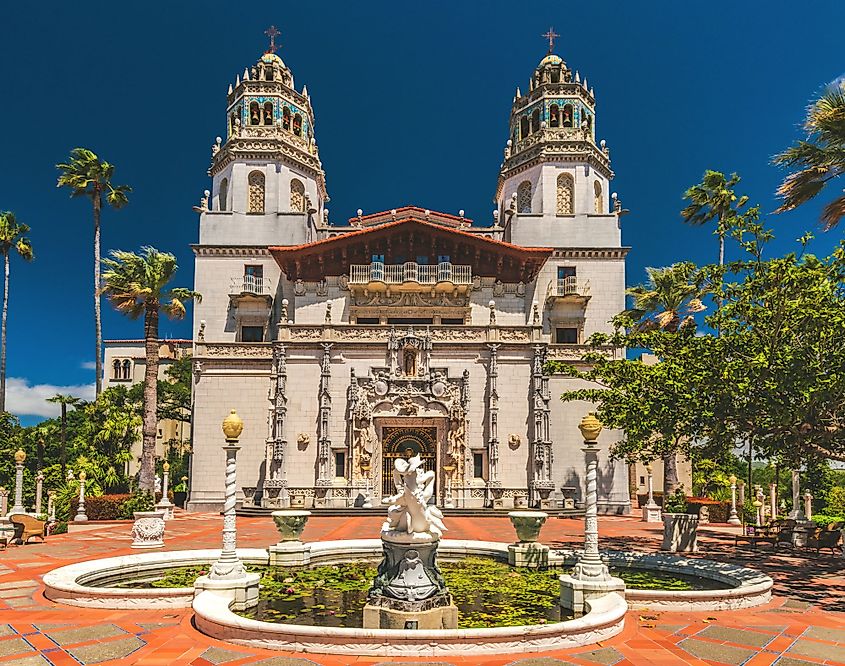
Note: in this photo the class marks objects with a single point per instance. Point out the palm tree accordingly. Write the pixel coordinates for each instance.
(819, 158)
(88, 176)
(136, 284)
(65, 401)
(714, 199)
(12, 239)
(668, 300)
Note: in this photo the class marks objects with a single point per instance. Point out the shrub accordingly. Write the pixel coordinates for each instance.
(103, 507)
(836, 501)
(139, 501)
(59, 528)
(823, 519)
(676, 502)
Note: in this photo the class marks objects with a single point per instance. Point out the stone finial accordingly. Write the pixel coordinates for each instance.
(492, 305)
(535, 317)
(20, 457)
(590, 427)
(329, 312)
(233, 426)
(284, 313)
(201, 331)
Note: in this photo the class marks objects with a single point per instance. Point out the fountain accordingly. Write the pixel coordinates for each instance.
(409, 591)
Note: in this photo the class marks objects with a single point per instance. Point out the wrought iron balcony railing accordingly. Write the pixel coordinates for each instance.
(568, 287)
(410, 271)
(250, 284)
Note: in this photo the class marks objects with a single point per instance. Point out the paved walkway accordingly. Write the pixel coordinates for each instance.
(804, 624)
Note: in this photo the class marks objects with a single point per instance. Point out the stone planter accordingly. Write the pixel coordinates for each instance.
(290, 523)
(148, 529)
(680, 533)
(527, 524)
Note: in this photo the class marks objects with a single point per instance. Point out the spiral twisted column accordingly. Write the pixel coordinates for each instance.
(228, 566)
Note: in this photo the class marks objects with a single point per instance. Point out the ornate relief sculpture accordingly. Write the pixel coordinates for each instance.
(410, 512)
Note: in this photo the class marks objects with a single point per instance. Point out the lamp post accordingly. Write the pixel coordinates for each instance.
(81, 516)
(18, 507)
(228, 566)
(228, 576)
(165, 505)
(734, 518)
(651, 512)
(590, 577)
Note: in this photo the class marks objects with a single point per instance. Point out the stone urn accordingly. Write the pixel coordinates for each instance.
(527, 524)
(290, 523)
(148, 529)
(680, 533)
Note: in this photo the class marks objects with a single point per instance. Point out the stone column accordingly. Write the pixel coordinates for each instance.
(734, 518)
(81, 516)
(51, 505)
(796, 513)
(590, 577)
(4, 502)
(228, 575)
(773, 499)
(20, 457)
(808, 505)
(324, 443)
(276, 475)
(541, 482)
(39, 488)
(493, 426)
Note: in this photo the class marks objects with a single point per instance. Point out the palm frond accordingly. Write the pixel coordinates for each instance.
(833, 213)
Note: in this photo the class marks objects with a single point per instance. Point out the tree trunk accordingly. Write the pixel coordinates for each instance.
(3, 332)
(670, 473)
(721, 249)
(64, 440)
(98, 330)
(148, 449)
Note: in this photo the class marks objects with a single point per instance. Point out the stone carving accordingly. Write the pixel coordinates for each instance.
(238, 351)
(456, 441)
(290, 523)
(514, 441)
(303, 439)
(410, 512)
(565, 194)
(148, 529)
(409, 299)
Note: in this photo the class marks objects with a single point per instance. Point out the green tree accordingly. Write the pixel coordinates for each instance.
(137, 285)
(671, 295)
(12, 239)
(819, 158)
(174, 393)
(714, 199)
(65, 401)
(86, 175)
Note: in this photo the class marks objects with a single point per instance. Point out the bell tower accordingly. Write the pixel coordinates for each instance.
(554, 182)
(268, 185)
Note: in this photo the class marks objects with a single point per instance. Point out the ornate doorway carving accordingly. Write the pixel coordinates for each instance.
(398, 442)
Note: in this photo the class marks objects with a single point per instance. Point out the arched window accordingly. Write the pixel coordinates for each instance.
(554, 116)
(297, 196)
(523, 197)
(286, 119)
(254, 114)
(568, 117)
(116, 369)
(268, 74)
(523, 127)
(256, 192)
(297, 124)
(223, 194)
(268, 113)
(599, 200)
(127, 369)
(535, 121)
(565, 194)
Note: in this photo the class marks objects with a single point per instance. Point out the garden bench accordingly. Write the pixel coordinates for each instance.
(27, 527)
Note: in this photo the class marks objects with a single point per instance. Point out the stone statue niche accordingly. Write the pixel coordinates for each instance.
(409, 591)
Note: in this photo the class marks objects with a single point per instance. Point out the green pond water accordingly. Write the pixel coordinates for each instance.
(487, 593)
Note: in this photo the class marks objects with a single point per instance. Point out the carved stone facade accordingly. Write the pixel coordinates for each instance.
(409, 331)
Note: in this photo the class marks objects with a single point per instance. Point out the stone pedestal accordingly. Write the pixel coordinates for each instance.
(528, 555)
(680, 533)
(652, 513)
(409, 591)
(148, 529)
(290, 554)
(435, 613)
(242, 591)
(575, 591)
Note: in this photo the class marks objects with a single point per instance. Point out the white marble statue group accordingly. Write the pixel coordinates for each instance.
(410, 512)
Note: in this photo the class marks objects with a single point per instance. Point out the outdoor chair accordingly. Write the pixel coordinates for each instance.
(785, 533)
(27, 527)
(826, 538)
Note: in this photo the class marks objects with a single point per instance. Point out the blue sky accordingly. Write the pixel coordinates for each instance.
(412, 102)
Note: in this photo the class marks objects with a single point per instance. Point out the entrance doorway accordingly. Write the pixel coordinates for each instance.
(404, 442)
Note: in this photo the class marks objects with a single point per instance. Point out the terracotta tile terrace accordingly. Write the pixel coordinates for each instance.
(804, 623)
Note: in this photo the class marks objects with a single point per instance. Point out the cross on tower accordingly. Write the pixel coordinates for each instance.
(550, 35)
(272, 32)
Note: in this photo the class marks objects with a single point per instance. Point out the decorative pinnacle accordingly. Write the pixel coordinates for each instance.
(272, 32)
(551, 35)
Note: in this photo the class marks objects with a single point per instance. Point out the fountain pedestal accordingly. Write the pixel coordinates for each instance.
(290, 551)
(409, 591)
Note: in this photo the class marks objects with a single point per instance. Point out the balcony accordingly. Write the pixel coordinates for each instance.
(410, 276)
(568, 289)
(250, 287)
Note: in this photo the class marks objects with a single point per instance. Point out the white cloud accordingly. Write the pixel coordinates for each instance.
(88, 365)
(25, 399)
